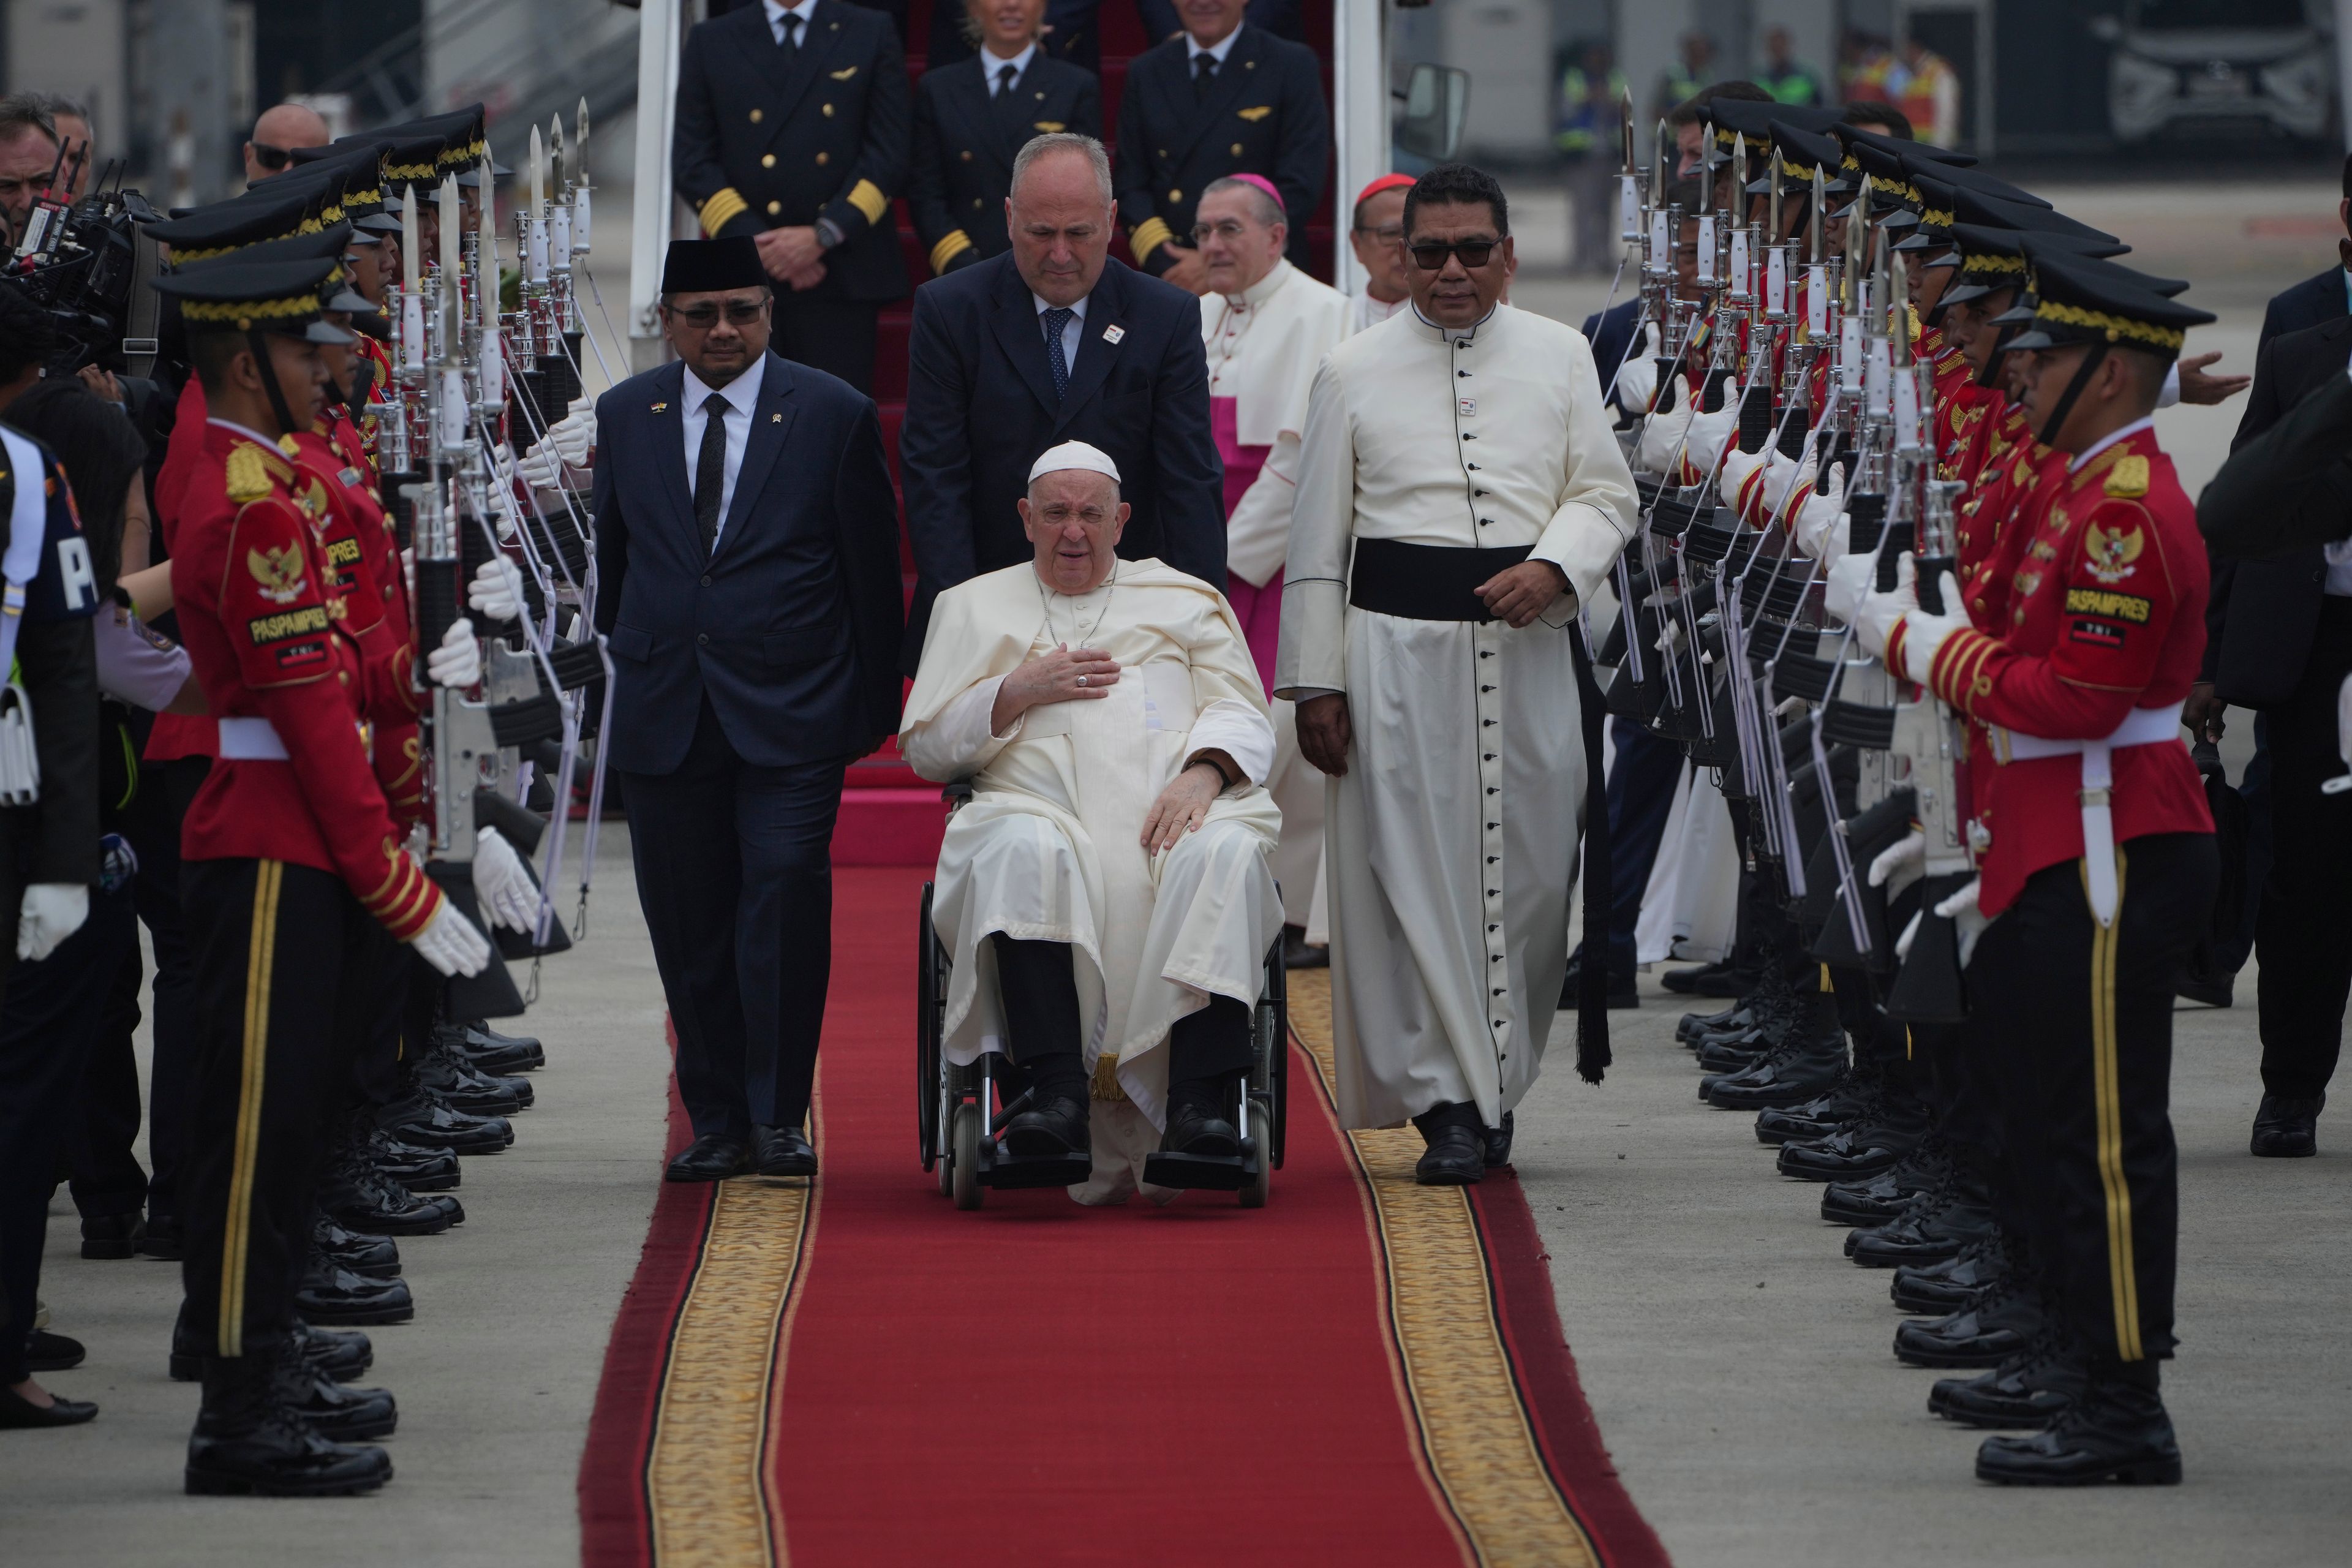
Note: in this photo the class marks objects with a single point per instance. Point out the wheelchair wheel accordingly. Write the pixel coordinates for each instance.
(927, 1034)
(1274, 1024)
(1262, 1137)
(971, 1127)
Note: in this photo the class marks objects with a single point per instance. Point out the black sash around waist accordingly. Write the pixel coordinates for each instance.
(1426, 582)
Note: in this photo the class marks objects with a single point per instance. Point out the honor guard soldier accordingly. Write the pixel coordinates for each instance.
(2098, 876)
(971, 119)
(294, 882)
(1225, 97)
(791, 129)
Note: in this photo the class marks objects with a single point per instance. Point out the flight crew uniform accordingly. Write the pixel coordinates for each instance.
(970, 125)
(794, 117)
(1251, 104)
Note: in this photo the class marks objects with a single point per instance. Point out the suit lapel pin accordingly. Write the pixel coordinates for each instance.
(1113, 333)
(775, 419)
(661, 408)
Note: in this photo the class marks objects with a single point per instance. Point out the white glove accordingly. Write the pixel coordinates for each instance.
(1822, 528)
(574, 435)
(51, 912)
(1662, 438)
(1637, 378)
(1737, 466)
(457, 662)
(1782, 474)
(451, 944)
(541, 468)
(508, 895)
(1848, 581)
(502, 465)
(1961, 910)
(1709, 433)
(495, 592)
(1924, 633)
(1875, 616)
(1910, 850)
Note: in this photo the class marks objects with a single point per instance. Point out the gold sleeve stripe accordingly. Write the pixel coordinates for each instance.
(1148, 236)
(952, 244)
(722, 209)
(867, 197)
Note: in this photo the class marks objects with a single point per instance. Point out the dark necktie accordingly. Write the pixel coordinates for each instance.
(1056, 319)
(1204, 70)
(1005, 76)
(710, 470)
(791, 34)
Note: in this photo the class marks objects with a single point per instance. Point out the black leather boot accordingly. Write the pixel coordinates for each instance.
(446, 1068)
(377, 1256)
(1958, 1281)
(494, 1053)
(2116, 1430)
(1730, 1020)
(1851, 1098)
(1872, 1145)
(2287, 1128)
(429, 1121)
(1728, 977)
(113, 1234)
(340, 1353)
(2025, 1392)
(1874, 1200)
(338, 1411)
(249, 1442)
(355, 1193)
(1810, 1057)
(1990, 1329)
(162, 1238)
(333, 1295)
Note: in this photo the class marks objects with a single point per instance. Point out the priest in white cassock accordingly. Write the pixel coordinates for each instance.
(1105, 897)
(1266, 325)
(1460, 496)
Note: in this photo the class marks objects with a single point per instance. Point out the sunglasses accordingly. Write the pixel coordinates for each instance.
(1474, 253)
(271, 158)
(704, 317)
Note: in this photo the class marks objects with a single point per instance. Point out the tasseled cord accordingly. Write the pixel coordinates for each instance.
(1593, 1057)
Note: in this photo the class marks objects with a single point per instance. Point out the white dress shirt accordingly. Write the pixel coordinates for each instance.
(1072, 331)
(995, 67)
(1218, 50)
(806, 11)
(742, 395)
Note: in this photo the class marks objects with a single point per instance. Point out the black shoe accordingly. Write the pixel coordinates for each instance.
(1724, 979)
(377, 1256)
(1456, 1155)
(331, 1295)
(428, 1121)
(46, 1352)
(1054, 1127)
(1848, 1101)
(162, 1240)
(2287, 1128)
(338, 1354)
(782, 1152)
(2114, 1432)
(339, 1412)
(1720, 1056)
(1997, 1327)
(445, 1069)
(2022, 1393)
(1874, 1144)
(249, 1441)
(1731, 1020)
(1876, 1200)
(1297, 953)
(1935, 1225)
(1499, 1143)
(713, 1157)
(113, 1234)
(1792, 1074)
(496, 1054)
(18, 1413)
(1198, 1129)
(418, 1169)
(355, 1193)
(1960, 1281)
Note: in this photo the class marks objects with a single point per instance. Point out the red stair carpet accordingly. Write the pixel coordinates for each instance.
(853, 1373)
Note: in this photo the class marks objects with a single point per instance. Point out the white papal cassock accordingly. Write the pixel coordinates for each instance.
(1047, 849)
(1450, 841)
(1263, 346)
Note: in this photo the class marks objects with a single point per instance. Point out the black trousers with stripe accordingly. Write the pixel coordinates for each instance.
(292, 976)
(2072, 1027)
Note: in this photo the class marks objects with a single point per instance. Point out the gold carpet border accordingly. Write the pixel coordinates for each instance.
(1473, 1427)
(705, 1486)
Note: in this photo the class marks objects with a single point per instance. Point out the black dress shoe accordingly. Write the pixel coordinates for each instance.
(1721, 1056)
(1722, 979)
(1499, 1143)
(2024, 1393)
(249, 1440)
(1874, 1200)
(1798, 1071)
(113, 1234)
(1200, 1131)
(495, 1053)
(445, 1069)
(46, 1352)
(2287, 1128)
(425, 1118)
(713, 1157)
(339, 1354)
(361, 1197)
(331, 1295)
(782, 1152)
(338, 1411)
(1456, 1155)
(1995, 1327)
(1958, 1281)
(1858, 1152)
(1933, 1226)
(1846, 1102)
(1053, 1126)
(18, 1411)
(1297, 953)
(162, 1240)
(1737, 1016)
(377, 1256)
(2114, 1432)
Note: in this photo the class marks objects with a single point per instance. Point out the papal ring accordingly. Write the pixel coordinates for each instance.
(1082, 680)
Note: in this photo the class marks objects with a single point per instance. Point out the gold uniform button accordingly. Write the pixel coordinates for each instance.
(1237, 149)
(755, 117)
(975, 204)
(767, 160)
(775, 207)
(967, 155)
(828, 112)
(823, 158)
(345, 675)
(1175, 195)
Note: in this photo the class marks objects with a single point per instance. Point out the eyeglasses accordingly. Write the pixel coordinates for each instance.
(1473, 254)
(1387, 234)
(271, 158)
(702, 318)
(1230, 230)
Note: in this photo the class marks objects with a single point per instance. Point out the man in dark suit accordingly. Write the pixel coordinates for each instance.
(1226, 97)
(2326, 298)
(2280, 637)
(791, 129)
(747, 561)
(1054, 341)
(972, 120)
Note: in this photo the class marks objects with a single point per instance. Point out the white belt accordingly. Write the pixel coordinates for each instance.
(2146, 727)
(257, 741)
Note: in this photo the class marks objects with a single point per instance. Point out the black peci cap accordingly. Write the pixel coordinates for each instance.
(234, 295)
(707, 266)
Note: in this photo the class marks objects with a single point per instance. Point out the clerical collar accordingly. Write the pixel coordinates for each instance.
(1456, 334)
(2109, 439)
(1259, 292)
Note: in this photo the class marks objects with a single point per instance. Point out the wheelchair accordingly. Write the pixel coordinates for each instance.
(961, 1112)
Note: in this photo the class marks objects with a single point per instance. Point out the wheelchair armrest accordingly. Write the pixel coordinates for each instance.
(956, 793)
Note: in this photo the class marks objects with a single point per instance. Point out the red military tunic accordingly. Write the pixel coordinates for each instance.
(265, 630)
(2106, 615)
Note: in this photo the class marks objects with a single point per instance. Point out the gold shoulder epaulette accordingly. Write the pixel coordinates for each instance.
(248, 474)
(2127, 480)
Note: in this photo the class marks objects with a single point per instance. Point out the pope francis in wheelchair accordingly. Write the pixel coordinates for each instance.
(1105, 903)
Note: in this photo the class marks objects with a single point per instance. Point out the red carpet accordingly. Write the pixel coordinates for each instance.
(869, 1376)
